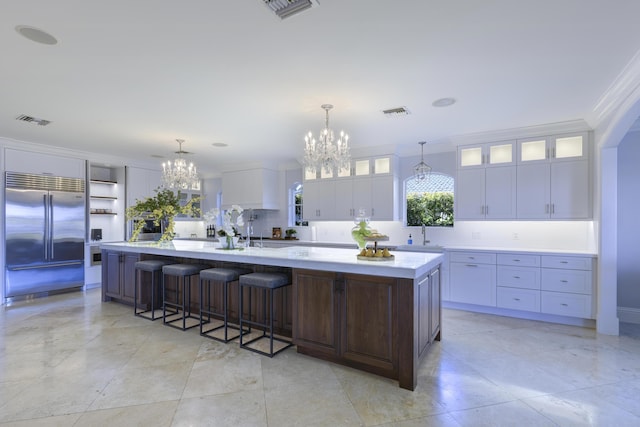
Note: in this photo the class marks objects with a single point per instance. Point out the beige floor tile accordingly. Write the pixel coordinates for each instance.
(226, 370)
(155, 414)
(310, 403)
(72, 359)
(138, 385)
(502, 415)
(379, 400)
(244, 408)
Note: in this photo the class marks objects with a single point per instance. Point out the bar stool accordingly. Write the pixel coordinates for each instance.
(268, 282)
(181, 311)
(222, 276)
(152, 267)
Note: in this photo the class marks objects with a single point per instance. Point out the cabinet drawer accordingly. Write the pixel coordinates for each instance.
(519, 277)
(574, 281)
(472, 283)
(574, 305)
(568, 262)
(519, 259)
(518, 299)
(473, 257)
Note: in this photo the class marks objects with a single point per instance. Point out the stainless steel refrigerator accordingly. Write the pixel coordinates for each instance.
(44, 233)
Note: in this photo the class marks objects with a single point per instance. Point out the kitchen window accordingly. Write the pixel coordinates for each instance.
(295, 205)
(429, 202)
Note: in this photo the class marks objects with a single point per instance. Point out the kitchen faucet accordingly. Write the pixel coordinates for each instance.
(424, 236)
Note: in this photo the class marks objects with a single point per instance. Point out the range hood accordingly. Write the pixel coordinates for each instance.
(250, 188)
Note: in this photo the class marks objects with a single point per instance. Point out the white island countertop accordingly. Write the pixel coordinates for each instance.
(409, 265)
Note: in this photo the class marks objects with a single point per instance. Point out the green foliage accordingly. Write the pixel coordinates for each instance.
(431, 209)
(163, 207)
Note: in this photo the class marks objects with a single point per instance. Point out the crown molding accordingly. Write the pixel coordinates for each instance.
(617, 93)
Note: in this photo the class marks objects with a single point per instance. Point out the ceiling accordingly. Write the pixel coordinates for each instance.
(127, 78)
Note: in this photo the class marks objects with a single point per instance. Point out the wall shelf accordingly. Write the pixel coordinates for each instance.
(102, 181)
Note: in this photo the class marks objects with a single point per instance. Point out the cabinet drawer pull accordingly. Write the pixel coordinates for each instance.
(516, 260)
(564, 304)
(516, 277)
(472, 257)
(472, 265)
(516, 299)
(564, 281)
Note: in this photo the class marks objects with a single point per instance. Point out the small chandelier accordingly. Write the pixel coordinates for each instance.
(422, 170)
(327, 154)
(178, 175)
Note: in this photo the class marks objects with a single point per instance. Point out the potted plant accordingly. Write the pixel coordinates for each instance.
(163, 208)
(290, 234)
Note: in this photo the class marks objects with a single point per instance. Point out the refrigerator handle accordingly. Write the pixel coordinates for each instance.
(50, 238)
(46, 227)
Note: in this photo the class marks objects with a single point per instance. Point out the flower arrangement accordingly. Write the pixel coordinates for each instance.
(163, 207)
(232, 221)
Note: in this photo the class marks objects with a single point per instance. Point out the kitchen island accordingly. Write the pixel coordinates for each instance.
(378, 316)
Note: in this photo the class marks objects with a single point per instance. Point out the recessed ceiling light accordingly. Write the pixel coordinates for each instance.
(220, 144)
(443, 102)
(36, 35)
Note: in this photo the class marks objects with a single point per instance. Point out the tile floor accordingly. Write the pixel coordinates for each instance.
(71, 360)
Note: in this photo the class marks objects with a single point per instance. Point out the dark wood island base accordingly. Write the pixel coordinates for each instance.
(383, 322)
(381, 325)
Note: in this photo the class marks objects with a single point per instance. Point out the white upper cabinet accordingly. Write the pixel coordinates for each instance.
(492, 154)
(553, 148)
(486, 193)
(554, 191)
(371, 186)
(43, 164)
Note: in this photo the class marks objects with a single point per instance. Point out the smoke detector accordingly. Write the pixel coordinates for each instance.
(29, 119)
(395, 112)
(287, 8)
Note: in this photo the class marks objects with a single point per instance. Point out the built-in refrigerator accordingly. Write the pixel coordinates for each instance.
(44, 233)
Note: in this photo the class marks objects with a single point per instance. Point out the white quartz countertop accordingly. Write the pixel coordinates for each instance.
(404, 265)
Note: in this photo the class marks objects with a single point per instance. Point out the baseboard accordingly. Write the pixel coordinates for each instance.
(629, 315)
(529, 315)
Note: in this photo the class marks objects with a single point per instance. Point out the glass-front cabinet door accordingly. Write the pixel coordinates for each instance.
(500, 153)
(553, 148)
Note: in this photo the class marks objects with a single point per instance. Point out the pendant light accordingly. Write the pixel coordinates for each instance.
(422, 170)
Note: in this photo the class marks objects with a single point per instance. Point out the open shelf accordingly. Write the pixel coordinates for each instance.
(102, 181)
(104, 197)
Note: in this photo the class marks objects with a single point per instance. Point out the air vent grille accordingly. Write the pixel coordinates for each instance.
(395, 112)
(30, 119)
(287, 8)
(43, 182)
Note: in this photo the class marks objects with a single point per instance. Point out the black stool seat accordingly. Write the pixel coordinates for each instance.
(179, 311)
(268, 282)
(265, 280)
(152, 266)
(182, 269)
(222, 274)
(209, 277)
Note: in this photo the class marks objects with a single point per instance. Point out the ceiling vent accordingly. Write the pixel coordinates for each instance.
(29, 119)
(287, 8)
(395, 112)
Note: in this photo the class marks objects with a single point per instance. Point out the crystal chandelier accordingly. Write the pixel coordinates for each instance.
(178, 175)
(422, 170)
(326, 153)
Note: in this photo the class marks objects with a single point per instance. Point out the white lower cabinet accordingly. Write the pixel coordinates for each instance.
(472, 278)
(564, 304)
(519, 299)
(551, 284)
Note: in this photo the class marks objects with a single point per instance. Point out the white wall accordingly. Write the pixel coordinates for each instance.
(628, 224)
